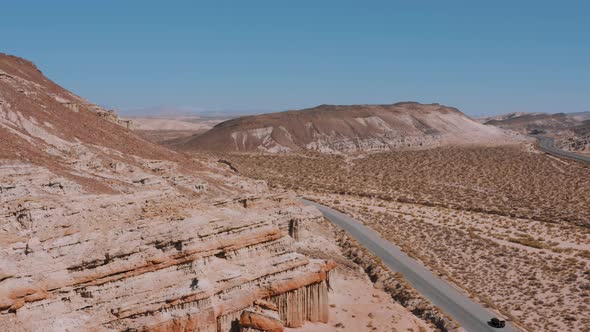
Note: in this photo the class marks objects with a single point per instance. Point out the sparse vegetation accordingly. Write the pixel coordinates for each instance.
(496, 180)
(528, 241)
(510, 227)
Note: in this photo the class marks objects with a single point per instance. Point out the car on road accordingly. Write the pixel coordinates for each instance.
(497, 323)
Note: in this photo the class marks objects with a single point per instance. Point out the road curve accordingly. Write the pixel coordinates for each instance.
(472, 316)
(546, 144)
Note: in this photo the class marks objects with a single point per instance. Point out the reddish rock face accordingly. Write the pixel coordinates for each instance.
(103, 230)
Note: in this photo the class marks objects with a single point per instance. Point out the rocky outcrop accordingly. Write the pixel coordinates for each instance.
(395, 285)
(111, 116)
(102, 231)
(309, 303)
(251, 321)
(118, 262)
(262, 316)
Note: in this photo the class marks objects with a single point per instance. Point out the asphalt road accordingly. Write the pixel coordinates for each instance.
(472, 316)
(546, 144)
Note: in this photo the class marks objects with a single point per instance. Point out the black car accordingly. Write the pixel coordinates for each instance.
(495, 322)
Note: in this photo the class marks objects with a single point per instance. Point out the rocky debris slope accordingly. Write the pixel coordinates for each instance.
(346, 129)
(101, 230)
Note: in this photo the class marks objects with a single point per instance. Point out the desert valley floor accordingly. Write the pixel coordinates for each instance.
(507, 224)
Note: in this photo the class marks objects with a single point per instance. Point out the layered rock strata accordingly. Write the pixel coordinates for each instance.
(103, 231)
(114, 262)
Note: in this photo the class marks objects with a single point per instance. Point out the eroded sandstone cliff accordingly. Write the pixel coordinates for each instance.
(100, 230)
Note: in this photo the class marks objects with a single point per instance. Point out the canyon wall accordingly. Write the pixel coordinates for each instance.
(101, 230)
(151, 261)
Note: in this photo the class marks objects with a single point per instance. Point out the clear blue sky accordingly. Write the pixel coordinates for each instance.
(483, 57)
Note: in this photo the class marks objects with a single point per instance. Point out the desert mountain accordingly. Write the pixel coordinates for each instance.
(343, 129)
(571, 131)
(102, 230)
(528, 122)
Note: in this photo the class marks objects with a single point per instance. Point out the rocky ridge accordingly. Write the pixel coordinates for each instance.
(101, 230)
